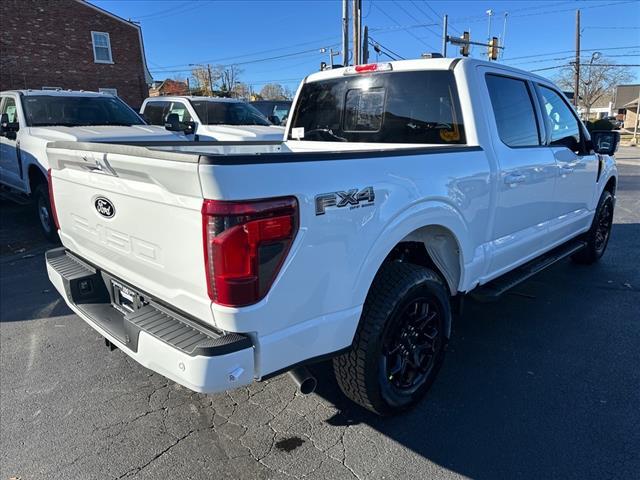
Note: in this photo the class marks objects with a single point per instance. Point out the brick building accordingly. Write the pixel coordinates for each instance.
(71, 44)
(169, 87)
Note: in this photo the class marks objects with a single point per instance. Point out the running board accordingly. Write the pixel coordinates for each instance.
(14, 196)
(495, 288)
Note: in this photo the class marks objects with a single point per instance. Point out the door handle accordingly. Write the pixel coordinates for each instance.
(513, 178)
(568, 168)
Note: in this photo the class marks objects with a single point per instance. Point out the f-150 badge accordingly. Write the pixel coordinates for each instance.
(352, 198)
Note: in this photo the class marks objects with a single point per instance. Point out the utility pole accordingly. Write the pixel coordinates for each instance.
(445, 25)
(365, 45)
(345, 33)
(635, 126)
(356, 31)
(210, 82)
(576, 84)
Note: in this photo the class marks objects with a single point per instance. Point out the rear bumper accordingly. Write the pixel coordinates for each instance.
(156, 336)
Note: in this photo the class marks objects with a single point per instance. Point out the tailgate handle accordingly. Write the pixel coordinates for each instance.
(101, 166)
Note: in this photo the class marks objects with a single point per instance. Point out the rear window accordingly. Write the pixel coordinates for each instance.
(394, 107)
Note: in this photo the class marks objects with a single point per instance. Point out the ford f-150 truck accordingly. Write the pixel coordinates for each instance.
(33, 118)
(400, 188)
(211, 118)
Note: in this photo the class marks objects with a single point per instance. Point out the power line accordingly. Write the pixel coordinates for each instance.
(570, 51)
(482, 18)
(587, 65)
(440, 16)
(249, 54)
(397, 28)
(568, 58)
(396, 22)
(171, 12)
(412, 16)
(613, 28)
(248, 62)
(379, 45)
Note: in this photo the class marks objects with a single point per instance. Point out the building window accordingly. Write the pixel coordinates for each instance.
(110, 91)
(101, 47)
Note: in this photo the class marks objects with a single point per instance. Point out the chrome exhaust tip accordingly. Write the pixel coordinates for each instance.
(303, 378)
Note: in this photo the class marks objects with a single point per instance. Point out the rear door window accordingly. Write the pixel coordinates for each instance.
(513, 110)
(393, 107)
(9, 107)
(180, 109)
(155, 113)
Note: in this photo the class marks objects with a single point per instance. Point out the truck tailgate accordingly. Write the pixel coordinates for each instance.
(135, 215)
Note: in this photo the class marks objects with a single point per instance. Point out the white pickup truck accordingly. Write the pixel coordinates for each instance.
(211, 118)
(33, 118)
(401, 187)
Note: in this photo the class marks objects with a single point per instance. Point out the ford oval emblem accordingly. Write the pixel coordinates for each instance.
(104, 207)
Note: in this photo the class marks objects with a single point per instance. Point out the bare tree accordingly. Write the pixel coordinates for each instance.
(229, 77)
(242, 91)
(288, 93)
(275, 91)
(205, 78)
(597, 80)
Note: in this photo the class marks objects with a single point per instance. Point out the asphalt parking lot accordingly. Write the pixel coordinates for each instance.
(544, 383)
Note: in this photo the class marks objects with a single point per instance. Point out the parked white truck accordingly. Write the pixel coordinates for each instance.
(401, 187)
(33, 118)
(211, 118)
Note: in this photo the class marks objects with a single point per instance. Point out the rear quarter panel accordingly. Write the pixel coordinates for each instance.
(336, 255)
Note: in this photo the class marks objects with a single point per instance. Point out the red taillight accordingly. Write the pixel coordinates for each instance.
(245, 244)
(368, 68)
(53, 202)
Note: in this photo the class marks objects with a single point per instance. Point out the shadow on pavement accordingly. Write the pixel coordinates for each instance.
(536, 385)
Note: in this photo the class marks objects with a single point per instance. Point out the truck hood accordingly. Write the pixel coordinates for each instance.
(242, 132)
(108, 133)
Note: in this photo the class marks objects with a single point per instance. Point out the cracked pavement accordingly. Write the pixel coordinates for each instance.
(541, 384)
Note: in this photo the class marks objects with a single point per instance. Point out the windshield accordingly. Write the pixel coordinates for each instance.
(394, 107)
(68, 111)
(228, 113)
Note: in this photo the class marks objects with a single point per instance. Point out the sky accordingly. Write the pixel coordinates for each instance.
(280, 41)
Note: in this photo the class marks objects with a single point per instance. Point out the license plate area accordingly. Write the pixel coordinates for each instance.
(126, 299)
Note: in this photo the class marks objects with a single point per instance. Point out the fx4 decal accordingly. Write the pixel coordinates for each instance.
(352, 197)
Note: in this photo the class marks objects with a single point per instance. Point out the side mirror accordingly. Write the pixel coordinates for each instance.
(274, 119)
(605, 142)
(189, 128)
(172, 123)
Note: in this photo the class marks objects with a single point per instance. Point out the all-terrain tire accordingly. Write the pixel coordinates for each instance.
(598, 235)
(359, 371)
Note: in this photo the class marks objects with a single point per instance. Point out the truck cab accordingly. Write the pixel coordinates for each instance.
(211, 118)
